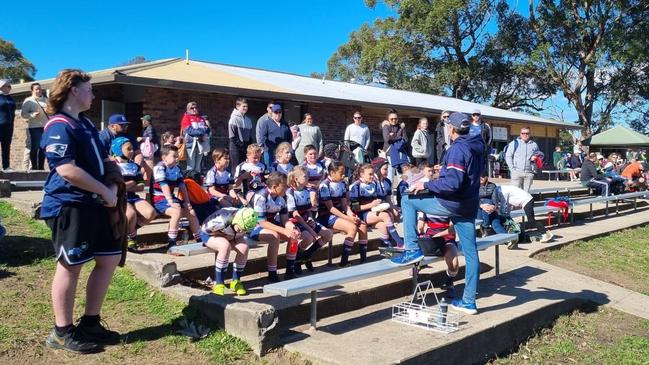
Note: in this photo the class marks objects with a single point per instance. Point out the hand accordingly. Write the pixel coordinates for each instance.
(174, 205)
(35, 114)
(355, 219)
(419, 186)
(140, 139)
(375, 202)
(110, 198)
(437, 168)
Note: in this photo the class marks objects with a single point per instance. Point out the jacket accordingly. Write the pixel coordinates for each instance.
(458, 186)
(441, 143)
(398, 132)
(239, 129)
(7, 109)
(117, 214)
(32, 105)
(488, 193)
(589, 171)
(397, 154)
(422, 144)
(519, 154)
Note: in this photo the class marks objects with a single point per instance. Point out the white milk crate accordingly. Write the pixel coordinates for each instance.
(424, 316)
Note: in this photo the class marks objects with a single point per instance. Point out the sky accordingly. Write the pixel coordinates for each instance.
(296, 36)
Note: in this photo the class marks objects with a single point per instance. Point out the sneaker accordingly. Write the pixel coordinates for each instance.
(237, 287)
(462, 306)
(273, 277)
(9, 170)
(309, 265)
(546, 237)
(131, 245)
(289, 275)
(97, 332)
(512, 245)
(298, 268)
(218, 289)
(72, 341)
(408, 257)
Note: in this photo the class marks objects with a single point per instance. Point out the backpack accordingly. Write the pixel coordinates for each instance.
(197, 195)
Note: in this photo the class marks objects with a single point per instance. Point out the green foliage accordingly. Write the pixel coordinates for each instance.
(13, 65)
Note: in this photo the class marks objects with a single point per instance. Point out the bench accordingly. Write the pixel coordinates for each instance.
(538, 211)
(562, 171)
(313, 283)
(28, 184)
(606, 199)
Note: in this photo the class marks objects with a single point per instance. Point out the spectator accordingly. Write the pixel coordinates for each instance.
(488, 210)
(520, 156)
(274, 131)
(515, 198)
(574, 162)
(239, 132)
(33, 110)
(423, 147)
(309, 135)
(394, 140)
(359, 133)
(149, 133)
(117, 127)
(556, 157)
(592, 179)
(633, 174)
(7, 115)
(482, 128)
(262, 122)
(195, 131)
(442, 138)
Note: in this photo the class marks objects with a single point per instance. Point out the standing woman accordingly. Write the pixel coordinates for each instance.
(239, 132)
(309, 135)
(394, 140)
(195, 131)
(7, 115)
(422, 143)
(33, 111)
(72, 207)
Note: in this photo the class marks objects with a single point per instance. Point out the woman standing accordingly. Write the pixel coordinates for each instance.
(309, 135)
(195, 131)
(75, 208)
(394, 140)
(422, 143)
(239, 132)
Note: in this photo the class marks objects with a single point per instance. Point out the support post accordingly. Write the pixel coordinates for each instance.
(314, 309)
(330, 252)
(497, 260)
(415, 277)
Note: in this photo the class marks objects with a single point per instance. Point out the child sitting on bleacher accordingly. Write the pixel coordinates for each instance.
(221, 232)
(333, 208)
(273, 223)
(219, 180)
(283, 154)
(365, 203)
(299, 207)
(138, 211)
(440, 230)
(315, 171)
(250, 174)
(402, 187)
(384, 186)
(167, 177)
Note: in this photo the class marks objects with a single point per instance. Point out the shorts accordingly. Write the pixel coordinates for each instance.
(254, 234)
(327, 220)
(162, 206)
(204, 236)
(81, 232)
(132, 199)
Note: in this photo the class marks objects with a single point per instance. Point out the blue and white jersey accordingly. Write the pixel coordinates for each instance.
(269, 208)
(315, 172)
(298, 200)
(283, 168)
(331, 191)
(219, 223)
(220, 180)
(163, 175)
(257, 171)
(66, 139)
(384, 188)
(131, 172)
(363, 192)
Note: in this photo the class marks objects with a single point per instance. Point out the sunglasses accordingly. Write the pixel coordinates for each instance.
(278, 112)
(193, 107)
(444, 116)
(525, 132)
(475, 115)
(393, 119)
(358, 117)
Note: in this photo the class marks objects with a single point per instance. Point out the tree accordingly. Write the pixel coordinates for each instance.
(134, 61)
(13, 65)
(593, 52)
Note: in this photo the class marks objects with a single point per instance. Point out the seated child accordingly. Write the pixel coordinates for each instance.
(334, 212)
(364, 197)
(273, 223)
(219, 180)
(283, 154)
(250, 174)
(299, 208)
(138, 211)
(315, 171)
(221, 232)
(439, 227)
(167, 176)
(384, 186)
(402, 187)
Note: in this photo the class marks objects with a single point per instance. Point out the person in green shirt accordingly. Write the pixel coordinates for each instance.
(556, 157)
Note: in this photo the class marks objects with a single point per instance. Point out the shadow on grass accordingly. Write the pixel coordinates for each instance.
(24, 250)
(168, 329)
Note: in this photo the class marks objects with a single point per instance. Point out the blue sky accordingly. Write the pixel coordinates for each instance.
(296, 36)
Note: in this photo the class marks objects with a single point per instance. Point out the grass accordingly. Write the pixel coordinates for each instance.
(147, 319)
(620, 258)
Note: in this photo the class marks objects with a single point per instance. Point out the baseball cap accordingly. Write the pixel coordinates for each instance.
(458, 120)
(276, 108)
(476, 111)
(147, 117)
(117, 119)
(245, 218)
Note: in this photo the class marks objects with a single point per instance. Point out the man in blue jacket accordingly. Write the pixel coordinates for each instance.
(456, 195)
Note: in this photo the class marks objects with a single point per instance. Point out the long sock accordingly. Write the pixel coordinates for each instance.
(311, 250)
(197, 238)
(348, 243)
(385, 240)
(237, 271)
(172, 234)
(450, 276)
(394, 234)
(362, 248)
(220, 267)
(272, 273)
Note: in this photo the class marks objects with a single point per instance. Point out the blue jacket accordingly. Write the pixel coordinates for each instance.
(458, 185)
(397, 154)
(7, 109)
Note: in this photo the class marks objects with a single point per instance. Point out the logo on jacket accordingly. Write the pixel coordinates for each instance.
(58, 149)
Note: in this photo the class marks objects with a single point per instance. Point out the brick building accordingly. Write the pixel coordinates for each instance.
(163, 88)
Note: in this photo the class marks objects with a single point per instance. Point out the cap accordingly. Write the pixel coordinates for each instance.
(4, 82)
(476, 111)
(147, 117)
(117, 119)
(378, 162)
(600, 157)
(245, 218)
(116, 146)
(276, 108)
(458, 120)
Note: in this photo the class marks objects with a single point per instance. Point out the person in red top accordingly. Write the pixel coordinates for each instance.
(195, 130)
(633, 174)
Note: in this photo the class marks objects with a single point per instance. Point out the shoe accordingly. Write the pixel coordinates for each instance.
(72, 341)
(9, 170)
(408, 257)
(273, 277)
(546, 237)
(451, 292)
(512, 245)
(298, 268)
(237, 287)
(462, 306)
(346, 264)
(289, 275)
(97, 332)
(218, 289)
(131, 245)
(309, 265)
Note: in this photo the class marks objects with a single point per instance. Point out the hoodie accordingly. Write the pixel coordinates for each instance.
(458, 186)
(239, 129)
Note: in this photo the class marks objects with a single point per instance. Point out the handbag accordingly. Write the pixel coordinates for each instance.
(182, 152)
(148, 148)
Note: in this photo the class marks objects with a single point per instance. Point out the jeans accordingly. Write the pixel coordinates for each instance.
(6, 134)
(522, 179)
(465, 228)
(492, 219)
(194, 160)
(36, 154)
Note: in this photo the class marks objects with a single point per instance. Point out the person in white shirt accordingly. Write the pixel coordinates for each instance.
(33, 111)
(358, 132)
(514, 197)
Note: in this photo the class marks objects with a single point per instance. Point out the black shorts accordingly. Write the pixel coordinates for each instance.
(81, 232)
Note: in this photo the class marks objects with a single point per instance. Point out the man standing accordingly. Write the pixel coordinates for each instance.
(442, 139)
(262, 121)
(7, 115)
(359, 133)
(273, 131)
(239, 132)
(33, 110)
(480, 127)
(456, 195)
(520, 156)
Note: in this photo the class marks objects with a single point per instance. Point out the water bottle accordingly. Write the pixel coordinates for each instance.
(293, 243)
(184, 232)
(443, 310)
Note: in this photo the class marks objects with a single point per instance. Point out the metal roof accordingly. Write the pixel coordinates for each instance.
(215, 77)
(618, 136)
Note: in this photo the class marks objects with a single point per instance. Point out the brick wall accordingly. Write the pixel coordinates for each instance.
(18, 140)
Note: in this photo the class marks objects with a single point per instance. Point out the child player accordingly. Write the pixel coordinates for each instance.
(219, 180)
(250, 173)
(283, 154)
